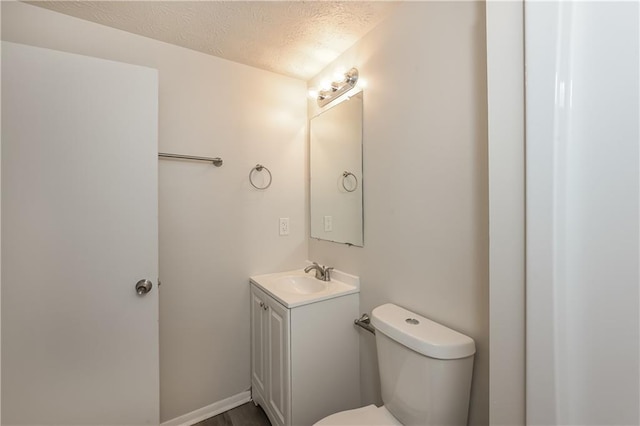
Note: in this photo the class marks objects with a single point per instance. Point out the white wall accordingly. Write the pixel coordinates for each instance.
(425, 177)
(215, 229)
(583, 166)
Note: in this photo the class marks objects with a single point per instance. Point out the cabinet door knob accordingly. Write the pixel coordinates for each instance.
(262, 304)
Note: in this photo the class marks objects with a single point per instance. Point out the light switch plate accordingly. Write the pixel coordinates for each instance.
(328, 223)
(284, 226)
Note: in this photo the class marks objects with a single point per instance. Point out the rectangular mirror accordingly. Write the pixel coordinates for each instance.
(335, 150)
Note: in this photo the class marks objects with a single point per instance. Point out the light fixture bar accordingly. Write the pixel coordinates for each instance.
(338, 88)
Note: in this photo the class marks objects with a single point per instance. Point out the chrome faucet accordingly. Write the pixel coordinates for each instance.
(322, 273)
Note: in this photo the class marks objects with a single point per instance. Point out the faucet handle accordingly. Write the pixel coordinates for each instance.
(327, 273)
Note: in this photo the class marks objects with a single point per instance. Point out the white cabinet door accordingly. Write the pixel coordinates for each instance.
(259, 316)
(270, 356)
(79, 229)
(278, 382)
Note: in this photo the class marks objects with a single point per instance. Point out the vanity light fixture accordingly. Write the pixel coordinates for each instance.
(338, 88)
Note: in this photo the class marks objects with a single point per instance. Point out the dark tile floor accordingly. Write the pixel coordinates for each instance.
(244, 415)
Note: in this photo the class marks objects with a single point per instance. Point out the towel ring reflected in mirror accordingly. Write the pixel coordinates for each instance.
(259, 168)
(345, 175)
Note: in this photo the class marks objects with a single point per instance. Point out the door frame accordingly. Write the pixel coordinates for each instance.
(506, 124)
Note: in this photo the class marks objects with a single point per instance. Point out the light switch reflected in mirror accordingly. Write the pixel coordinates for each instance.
(336, 173)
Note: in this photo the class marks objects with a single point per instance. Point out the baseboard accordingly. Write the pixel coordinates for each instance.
(210, 410)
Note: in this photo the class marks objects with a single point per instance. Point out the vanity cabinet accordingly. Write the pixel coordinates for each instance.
(304, 360)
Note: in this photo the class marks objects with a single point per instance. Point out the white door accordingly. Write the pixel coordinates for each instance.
(79, 229)
(583, 213)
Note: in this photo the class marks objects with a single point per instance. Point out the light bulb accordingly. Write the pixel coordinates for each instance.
(339, 75)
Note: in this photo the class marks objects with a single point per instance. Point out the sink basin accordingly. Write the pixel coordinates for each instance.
(300, 284)
(296, 288)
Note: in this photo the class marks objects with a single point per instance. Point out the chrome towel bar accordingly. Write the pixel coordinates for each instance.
(216, 161)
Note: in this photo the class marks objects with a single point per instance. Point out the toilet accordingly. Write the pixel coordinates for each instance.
(425, 373)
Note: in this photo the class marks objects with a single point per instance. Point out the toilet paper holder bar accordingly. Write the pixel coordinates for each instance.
(365, 322)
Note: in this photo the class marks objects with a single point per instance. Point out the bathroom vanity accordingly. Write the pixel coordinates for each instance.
(304, 346)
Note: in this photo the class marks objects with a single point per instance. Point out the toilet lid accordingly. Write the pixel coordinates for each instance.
(369, 416)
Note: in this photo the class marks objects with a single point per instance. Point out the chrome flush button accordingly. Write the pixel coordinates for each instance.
(412, 321)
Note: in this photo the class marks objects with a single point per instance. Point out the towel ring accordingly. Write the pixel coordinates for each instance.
(259, 168)
(345, 175)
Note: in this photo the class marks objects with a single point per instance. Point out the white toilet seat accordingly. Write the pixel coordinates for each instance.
(369, 416)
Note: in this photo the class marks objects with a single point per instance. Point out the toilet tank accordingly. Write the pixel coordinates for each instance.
(425, 368)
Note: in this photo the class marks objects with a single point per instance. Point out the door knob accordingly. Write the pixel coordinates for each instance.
(143, 287)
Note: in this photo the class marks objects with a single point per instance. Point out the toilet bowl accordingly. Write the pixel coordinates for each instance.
(425, 373)
(369, 415)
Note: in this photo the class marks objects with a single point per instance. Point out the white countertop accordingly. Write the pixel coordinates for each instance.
(341, 284)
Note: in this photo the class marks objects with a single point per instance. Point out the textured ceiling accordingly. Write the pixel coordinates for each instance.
(295, 38)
